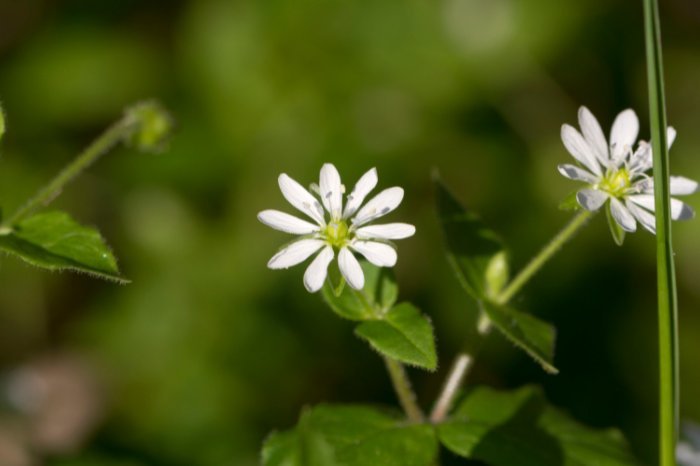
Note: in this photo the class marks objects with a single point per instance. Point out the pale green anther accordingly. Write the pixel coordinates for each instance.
(337, 234)
(616, 182)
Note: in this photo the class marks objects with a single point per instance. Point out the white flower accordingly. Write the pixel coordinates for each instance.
(616, 173)
(337, 229)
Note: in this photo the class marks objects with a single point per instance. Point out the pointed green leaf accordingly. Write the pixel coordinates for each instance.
(519, 427)
(529, 333)
(403, 334)
(298, 447)
(54, 241)
(616, 230)
(358, 436)
(377, 297)
(471, 246)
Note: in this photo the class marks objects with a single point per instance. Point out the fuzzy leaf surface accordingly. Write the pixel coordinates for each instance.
(504, 428)
(404, 334)
(358, 436)
(54, 241)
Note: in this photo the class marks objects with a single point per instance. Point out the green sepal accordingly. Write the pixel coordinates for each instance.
(377, 297)
(616, 230)
(570, 202)
(403, 334)
(534, 336)
(54, 241)
(506, 428)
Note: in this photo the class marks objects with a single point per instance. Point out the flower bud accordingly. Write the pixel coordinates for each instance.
(152, 126)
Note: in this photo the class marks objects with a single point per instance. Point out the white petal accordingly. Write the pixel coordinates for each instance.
(579, 148)
(670, 136)
(363, 187)
(379, 205)
(643, 159)
(295, 253)
(351, 270)
(591, 199)
(679, 210)
(380, 254)
(573, 172)
(316, 272)
(622, 216)
(623, 134)
(593, 134)
(681, 186)
(386, 231)
(644, 217)
(331, 190)
(287, 223)
(301, 199)
(644, 200)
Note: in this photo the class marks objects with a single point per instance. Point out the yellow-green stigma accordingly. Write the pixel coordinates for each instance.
(337, 234)
(616, 182)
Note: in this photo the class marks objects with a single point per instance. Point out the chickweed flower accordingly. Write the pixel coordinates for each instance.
(616, 173)
(336, 229)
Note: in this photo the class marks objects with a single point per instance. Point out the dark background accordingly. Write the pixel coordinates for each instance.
(207, 350)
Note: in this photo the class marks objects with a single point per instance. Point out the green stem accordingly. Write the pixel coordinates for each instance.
(666, 280)
(397, 372)
(460, 369)
(402, 387)
(114, 135)
(540, 259)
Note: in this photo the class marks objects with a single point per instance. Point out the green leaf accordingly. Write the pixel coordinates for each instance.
(570, 203)
(54, 241)
(299, 447)
(471, 246)
(377, 297)
(520, 427)
(404, 334)
(616, 230)
(534, 336)
(358, 436)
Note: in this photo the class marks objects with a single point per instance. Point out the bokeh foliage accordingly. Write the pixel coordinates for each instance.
(206, 350)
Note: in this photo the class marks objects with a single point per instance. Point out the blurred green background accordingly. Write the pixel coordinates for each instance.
(207, 351)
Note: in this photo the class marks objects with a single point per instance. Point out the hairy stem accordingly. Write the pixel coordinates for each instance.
(112, 136)
(459, 371)
(397, 372)
(666, 279)
(540, 259)
(403, 389)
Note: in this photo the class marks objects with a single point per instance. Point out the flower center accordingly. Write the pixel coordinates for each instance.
(337, 233)
(616, 182)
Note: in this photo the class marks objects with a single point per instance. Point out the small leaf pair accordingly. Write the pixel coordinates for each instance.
(478, 258)
(398, 331)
